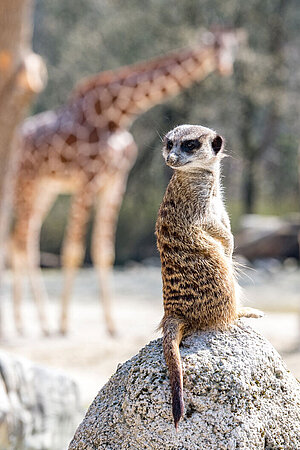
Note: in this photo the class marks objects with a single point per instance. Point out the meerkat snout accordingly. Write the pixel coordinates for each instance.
(172, 158)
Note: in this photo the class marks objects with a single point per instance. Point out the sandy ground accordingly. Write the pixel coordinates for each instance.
(89, 356)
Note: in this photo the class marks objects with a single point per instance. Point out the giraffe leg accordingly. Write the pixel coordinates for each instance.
(73, 248)
(42, 205)
(18, 262)
(25, 243)
(24, 197)
(103, 240)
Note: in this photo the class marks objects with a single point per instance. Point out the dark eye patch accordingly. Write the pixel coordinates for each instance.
(169, 144)
(189, 146)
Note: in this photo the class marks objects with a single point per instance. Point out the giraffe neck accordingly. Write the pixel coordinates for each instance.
(118, 97)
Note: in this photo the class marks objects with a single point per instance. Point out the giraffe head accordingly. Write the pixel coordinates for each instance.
(226, 42)
(192, 147)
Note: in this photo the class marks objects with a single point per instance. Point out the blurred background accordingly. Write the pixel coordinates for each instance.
(256, 109)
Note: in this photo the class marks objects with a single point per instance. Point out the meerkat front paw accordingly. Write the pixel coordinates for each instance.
(250, 313)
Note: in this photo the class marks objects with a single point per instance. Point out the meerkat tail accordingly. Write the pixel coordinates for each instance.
(172, 335)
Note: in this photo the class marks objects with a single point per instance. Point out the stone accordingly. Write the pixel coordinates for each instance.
(263, 237)
(39, 407)
(238, 394)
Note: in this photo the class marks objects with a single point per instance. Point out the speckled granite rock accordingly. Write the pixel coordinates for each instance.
(39, 407)
(238, 394)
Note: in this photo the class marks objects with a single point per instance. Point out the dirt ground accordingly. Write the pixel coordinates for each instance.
(90, 357)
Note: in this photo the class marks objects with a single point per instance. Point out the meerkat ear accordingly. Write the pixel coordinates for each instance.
(217, 144)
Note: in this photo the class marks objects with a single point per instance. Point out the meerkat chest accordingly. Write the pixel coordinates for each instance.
(216, 211)
(216, 207)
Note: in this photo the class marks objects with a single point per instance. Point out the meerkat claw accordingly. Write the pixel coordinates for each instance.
(250, 313)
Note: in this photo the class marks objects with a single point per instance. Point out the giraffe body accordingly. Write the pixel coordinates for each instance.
(85, 148)
(46, 172)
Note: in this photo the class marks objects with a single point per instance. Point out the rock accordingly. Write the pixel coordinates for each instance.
(238, 394)
(268, 237)
(39, 407)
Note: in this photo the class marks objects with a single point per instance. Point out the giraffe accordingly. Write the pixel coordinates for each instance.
(84, 148)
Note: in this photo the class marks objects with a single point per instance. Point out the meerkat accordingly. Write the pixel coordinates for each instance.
(195, 242)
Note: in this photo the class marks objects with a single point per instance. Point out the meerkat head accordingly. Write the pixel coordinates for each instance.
(192, 147)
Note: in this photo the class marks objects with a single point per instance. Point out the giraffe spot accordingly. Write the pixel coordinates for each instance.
(93, 137)
(71, 139)
(112, 126)
(98, 108)
(131, 81)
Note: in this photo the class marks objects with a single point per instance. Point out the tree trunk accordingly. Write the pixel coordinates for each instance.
(22, 75)
(254, 149)
(248, 186)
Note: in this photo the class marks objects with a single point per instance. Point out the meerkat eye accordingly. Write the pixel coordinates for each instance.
(189, 146)
(169, 145)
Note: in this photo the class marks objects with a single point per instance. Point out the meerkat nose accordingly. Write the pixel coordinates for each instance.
(172, 158)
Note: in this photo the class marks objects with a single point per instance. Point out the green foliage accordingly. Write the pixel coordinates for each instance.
(256, 109)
